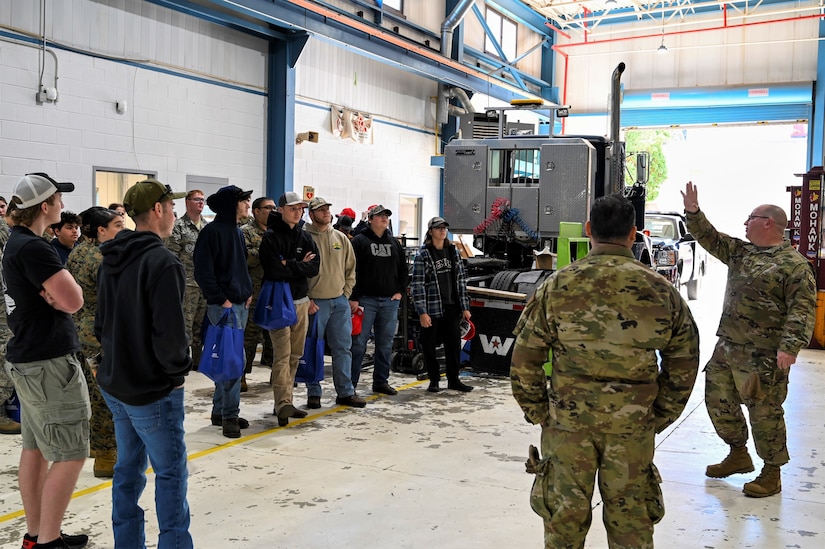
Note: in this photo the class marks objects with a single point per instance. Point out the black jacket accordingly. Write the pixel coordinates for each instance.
(292, 244)
(220, 255)
(139, 320)
(380, 265)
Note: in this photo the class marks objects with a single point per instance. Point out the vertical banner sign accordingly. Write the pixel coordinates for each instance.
(809, 214)
(795, 221)
(309, 193)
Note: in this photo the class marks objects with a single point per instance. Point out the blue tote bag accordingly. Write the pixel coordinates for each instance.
(275, 308)
(311, 365)
(223, 352)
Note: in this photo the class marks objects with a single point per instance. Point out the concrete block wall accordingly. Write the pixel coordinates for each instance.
(180, 122)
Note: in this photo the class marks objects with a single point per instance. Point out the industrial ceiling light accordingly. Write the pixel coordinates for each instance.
(662, 49)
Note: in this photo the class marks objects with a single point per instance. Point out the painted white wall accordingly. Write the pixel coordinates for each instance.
(176, 125)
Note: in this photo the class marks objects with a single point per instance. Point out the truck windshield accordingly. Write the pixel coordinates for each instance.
(661, 227)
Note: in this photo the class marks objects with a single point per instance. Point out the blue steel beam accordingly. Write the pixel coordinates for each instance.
(631, 15)
(497, 46)
(220, 18)
(290, 17)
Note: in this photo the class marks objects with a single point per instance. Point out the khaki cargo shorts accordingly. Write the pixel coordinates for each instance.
(54, 407)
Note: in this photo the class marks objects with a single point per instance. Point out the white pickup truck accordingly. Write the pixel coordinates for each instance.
(676, 254)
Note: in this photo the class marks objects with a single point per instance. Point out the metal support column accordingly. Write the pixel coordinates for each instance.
(280, 114)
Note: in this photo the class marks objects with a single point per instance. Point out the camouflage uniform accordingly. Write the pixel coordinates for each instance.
(84, 263)
(6, 385)
(604, 318)
(770, 302)
(253, 334)
(182, 244)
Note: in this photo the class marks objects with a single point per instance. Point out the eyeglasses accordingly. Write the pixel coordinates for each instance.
(440, 228)
(266, 208)
(195, 199)
(751, 217)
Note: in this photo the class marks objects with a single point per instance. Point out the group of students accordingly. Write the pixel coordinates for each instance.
(118, 330)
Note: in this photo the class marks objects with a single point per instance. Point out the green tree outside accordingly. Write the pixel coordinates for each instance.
(650, 141)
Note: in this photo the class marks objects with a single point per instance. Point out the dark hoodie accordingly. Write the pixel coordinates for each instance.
(140, 321)
(220, 252)
(292, 244)
(380, 265)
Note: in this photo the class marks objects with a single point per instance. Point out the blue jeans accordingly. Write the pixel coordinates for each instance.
(155, 430)
(226, 402)
(380, 315)
(334, 318)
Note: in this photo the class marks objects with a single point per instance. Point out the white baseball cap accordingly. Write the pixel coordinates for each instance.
(34, 188)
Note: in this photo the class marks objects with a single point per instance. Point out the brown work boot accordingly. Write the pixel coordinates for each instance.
(244, 386)
(768, 483)
(105, 463)
(738, 461)
(8, 426)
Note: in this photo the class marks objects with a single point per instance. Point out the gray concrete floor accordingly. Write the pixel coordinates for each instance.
(445, 471)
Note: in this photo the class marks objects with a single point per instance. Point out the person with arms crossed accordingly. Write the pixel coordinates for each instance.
(144, 363)
(41, 360)
(606, 318)
(288, 254)
(767, 317)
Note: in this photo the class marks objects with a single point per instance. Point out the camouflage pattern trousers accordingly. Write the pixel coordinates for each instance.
(194, 309)
(101, 425)
(725, 376)
(629, 485)
(252, 335)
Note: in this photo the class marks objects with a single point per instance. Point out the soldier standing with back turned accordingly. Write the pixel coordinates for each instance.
(768, 316)
(604, 317)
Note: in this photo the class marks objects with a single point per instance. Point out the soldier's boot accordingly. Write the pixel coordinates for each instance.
(244, 386)
(105, 463)
(738, 461)
(768, 483)
(8, 426)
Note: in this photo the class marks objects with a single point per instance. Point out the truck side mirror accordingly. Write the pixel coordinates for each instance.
(642, 167)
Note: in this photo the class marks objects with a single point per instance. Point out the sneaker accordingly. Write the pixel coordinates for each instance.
(384, 388)
(8, 426)
(217, 421)
(72, 542)
(353, 400)
(458, 386)
(76, 541)
(231, 428)
(313, 403)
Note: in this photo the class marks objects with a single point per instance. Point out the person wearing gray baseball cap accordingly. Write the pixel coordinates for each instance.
(41, 296)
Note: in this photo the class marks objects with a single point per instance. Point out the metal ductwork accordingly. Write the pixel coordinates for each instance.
(443, 108)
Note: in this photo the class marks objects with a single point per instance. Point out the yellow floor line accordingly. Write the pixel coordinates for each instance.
(107, 484)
